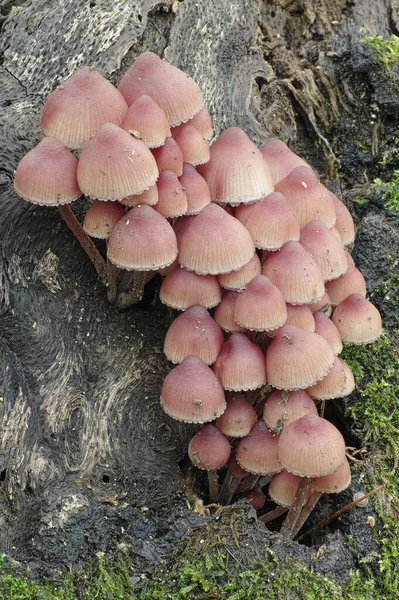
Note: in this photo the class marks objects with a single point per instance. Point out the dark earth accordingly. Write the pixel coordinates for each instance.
(88, 459)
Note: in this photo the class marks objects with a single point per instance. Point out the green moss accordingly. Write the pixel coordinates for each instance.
(202, 567)
(361, 201)
(15, 587)
(362, 147)
(390, 191)
(376, 417)
(386, 48)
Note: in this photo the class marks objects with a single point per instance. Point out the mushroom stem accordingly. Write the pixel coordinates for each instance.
(296, 507)
(132, 288)
(273, 514)
(112, 281)
(306, 510)
(264, 480)
(228, 488)
(247, 483)
(340, 511)
(87, 244)
(213, 486)
(322, 408)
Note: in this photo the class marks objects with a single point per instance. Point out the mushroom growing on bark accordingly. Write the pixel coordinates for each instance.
(209, 449)
(47, 175)
(77, 108)
(309, 447)
(142, 242)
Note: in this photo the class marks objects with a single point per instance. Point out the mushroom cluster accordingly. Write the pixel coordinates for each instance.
(269, 256)
(132, 152)
(251, 235)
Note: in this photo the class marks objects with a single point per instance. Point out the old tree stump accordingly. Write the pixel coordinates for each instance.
(87, 457)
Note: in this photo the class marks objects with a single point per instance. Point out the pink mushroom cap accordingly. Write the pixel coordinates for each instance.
(240, 365)
(209, 449)
(297, 359)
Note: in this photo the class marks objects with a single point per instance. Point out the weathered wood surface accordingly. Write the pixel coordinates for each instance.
(85, 448)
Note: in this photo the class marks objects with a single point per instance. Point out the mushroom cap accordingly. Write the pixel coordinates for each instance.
(175, 92)
(344, 223)
(193, 332)
(334, 482)
(190, 141)
(114, 165)
(326, 250)
(280, 159)
(214, 242)
(338, 383)
(311, 447)
(352, 282)
(308, 198)
(172, 199)
(192, 393)
(236, 172)
(234, 468)
(323, 305)
(77, 108)
(169, 157)
(282, 407)
(149, 197)
(271, 222)
(297, 359)
(142, 241)
(299, 315)
(196, 188)
(326, 328)
(283, 488)
(349, 258)
(201, 121)
(209, 449)
(224, 313)
(181, 289)
(295, 273)
(256, 497)
(237, 280)
(101, 218)
(238, 418)
(146, 121)
(261, 306)
(46, 175)
(240, 365)
(357, 320)
(257, 452)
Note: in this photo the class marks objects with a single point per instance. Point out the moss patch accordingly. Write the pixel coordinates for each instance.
(390, 191)
(376, 418)
(386, 48)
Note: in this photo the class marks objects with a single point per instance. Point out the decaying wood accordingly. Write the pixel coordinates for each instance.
(85, 449)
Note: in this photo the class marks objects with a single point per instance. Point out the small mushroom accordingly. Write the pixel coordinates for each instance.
(357, 320)
(209, 449)
(309, 447)
(193, 332)
(47, 175)
(201, 401)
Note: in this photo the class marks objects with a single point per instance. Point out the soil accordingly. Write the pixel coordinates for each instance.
(88, 459)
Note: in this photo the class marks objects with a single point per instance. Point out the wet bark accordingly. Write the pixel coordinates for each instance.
(87, 456)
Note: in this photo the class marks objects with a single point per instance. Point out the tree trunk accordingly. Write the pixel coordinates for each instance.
(87, 456)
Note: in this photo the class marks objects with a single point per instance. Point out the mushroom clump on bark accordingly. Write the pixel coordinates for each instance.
(249, 233)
